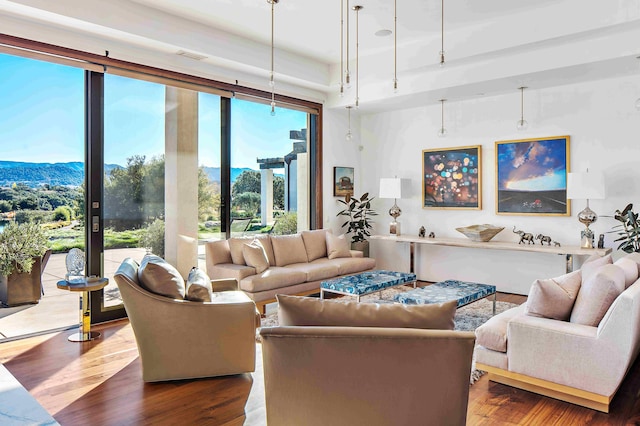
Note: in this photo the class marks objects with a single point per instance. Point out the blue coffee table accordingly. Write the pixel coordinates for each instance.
(366, 283)
(463, 292)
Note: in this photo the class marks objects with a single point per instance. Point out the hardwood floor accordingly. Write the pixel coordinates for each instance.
(99, 383)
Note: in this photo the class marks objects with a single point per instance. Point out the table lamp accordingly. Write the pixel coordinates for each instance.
(392, 188)
(586, 186)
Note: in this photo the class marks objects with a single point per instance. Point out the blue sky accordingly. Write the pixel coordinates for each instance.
(42, 119)
(533, 166)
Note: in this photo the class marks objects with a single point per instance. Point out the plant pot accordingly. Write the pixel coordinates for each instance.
(19, 289)
(362, 246)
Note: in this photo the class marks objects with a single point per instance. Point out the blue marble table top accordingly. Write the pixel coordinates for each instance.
(463, 292)
(368, 282)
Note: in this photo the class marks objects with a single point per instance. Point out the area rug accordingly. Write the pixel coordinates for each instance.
(467, 318)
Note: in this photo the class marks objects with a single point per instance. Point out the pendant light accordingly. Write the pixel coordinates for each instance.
(638, 100)
(342, 48)
(349, 135)
(442, 132)
(357, 9)
(442, 33)
(272, 82)
(395, 46)
(347, 75)
(522, 123)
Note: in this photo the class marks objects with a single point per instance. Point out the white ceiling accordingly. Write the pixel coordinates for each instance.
(492, 46)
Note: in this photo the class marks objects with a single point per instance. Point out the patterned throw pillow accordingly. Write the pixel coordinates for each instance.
(199, 286)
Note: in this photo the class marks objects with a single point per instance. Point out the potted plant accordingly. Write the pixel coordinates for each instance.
(23, 253)
(359, 212)
(628, 229)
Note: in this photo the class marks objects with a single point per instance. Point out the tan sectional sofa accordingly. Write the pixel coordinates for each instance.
(296, 264)
(583, 355)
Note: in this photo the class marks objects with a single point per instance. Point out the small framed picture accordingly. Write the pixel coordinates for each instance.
(531, 176)
(452, 178)
(342, 181)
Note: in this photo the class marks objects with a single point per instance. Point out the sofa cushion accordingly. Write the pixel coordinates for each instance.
(235, 247)
(158, 276)
(635, 256)
(337, 246)
(273, 278)
(288, 249)
(593, 263)
(308, 311)
(596, 294)
(630, 269)
(315, 243)
(218, 252)
(255, 255)
(493, 333)
(349, 265)
(316, 271)
(198, 286)
(554, 297)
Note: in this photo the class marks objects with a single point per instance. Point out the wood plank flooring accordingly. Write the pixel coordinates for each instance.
(99, 383)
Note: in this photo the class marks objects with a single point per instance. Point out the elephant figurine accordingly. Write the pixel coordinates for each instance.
(524, 236)
(544, 239)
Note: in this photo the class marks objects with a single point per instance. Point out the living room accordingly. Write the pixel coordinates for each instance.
(577, 62)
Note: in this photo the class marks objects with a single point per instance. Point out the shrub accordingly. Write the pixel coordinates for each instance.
(287, 224)
(153, 237)
(33, 216)
(62, 213)
(19, 245)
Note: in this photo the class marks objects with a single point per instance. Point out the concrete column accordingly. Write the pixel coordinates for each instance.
(181, 178)
(266, 196)
(302, 190)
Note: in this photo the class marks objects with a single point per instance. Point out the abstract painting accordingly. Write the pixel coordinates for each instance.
(451, 178)
(531, 176)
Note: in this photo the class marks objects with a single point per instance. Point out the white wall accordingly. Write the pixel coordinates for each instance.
(604, 127)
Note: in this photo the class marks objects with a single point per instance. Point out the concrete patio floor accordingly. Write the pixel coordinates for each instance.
(59, 309)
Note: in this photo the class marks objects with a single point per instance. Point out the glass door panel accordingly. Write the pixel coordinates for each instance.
(41, 177)
(269, 169)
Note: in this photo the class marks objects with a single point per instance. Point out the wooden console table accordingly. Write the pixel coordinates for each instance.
(567, 251)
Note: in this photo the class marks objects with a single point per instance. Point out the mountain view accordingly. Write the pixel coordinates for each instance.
(69, 174)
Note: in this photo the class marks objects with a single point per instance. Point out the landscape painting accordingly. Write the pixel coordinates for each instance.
(451, 178)
(343, 181)
(531, 176)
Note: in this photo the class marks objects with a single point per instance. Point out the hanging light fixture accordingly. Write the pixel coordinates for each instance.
(272, 82)
(442, 132)
(349, 135)
(347, 75)
(357, 9)
(638, 100)
(522, 123)
(395, 45)
(342, 48)
(442, 33)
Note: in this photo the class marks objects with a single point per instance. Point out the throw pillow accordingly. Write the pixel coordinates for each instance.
(255, 256)
(554, 298)
(630, 269)
(593, 263)
(315, 243)
(596, 295)
(288, 249)
(158, 276)
(199, 286)
(309, 311)
(235, 247)
(337, 246)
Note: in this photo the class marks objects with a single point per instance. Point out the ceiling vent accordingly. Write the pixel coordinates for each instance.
(190, 55)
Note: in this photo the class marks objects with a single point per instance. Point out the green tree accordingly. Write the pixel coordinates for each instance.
(278, 192)
(208, 196)
(248, 181)
(5, 206)
(249, 202)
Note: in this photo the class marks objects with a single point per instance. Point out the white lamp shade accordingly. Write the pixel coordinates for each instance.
(585, 186)
(390, 188)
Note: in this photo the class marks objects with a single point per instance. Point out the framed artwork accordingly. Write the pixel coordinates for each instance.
(451, 178)
(531, 176)
(342, 181)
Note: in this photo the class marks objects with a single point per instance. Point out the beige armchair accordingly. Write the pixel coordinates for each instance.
(181, 339)
(373, 375)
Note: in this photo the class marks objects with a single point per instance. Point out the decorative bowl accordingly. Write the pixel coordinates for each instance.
(480, 232)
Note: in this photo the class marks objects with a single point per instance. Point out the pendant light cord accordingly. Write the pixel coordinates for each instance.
(357, 9)
(442, 33)
(395, 44)
(341, 47)
(348, 74)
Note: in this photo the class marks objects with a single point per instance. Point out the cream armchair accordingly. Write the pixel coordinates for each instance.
(368, 375)
(181, 339)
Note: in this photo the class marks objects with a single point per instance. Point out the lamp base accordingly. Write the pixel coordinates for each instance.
(586, 239)
(394, 229)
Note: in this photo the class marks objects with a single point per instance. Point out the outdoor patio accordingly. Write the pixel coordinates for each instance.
(59, 309)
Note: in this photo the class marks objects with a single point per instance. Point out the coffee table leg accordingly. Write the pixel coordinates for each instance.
(321, 293)
(495, 296)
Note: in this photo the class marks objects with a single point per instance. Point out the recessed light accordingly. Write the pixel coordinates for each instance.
(383, 33)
